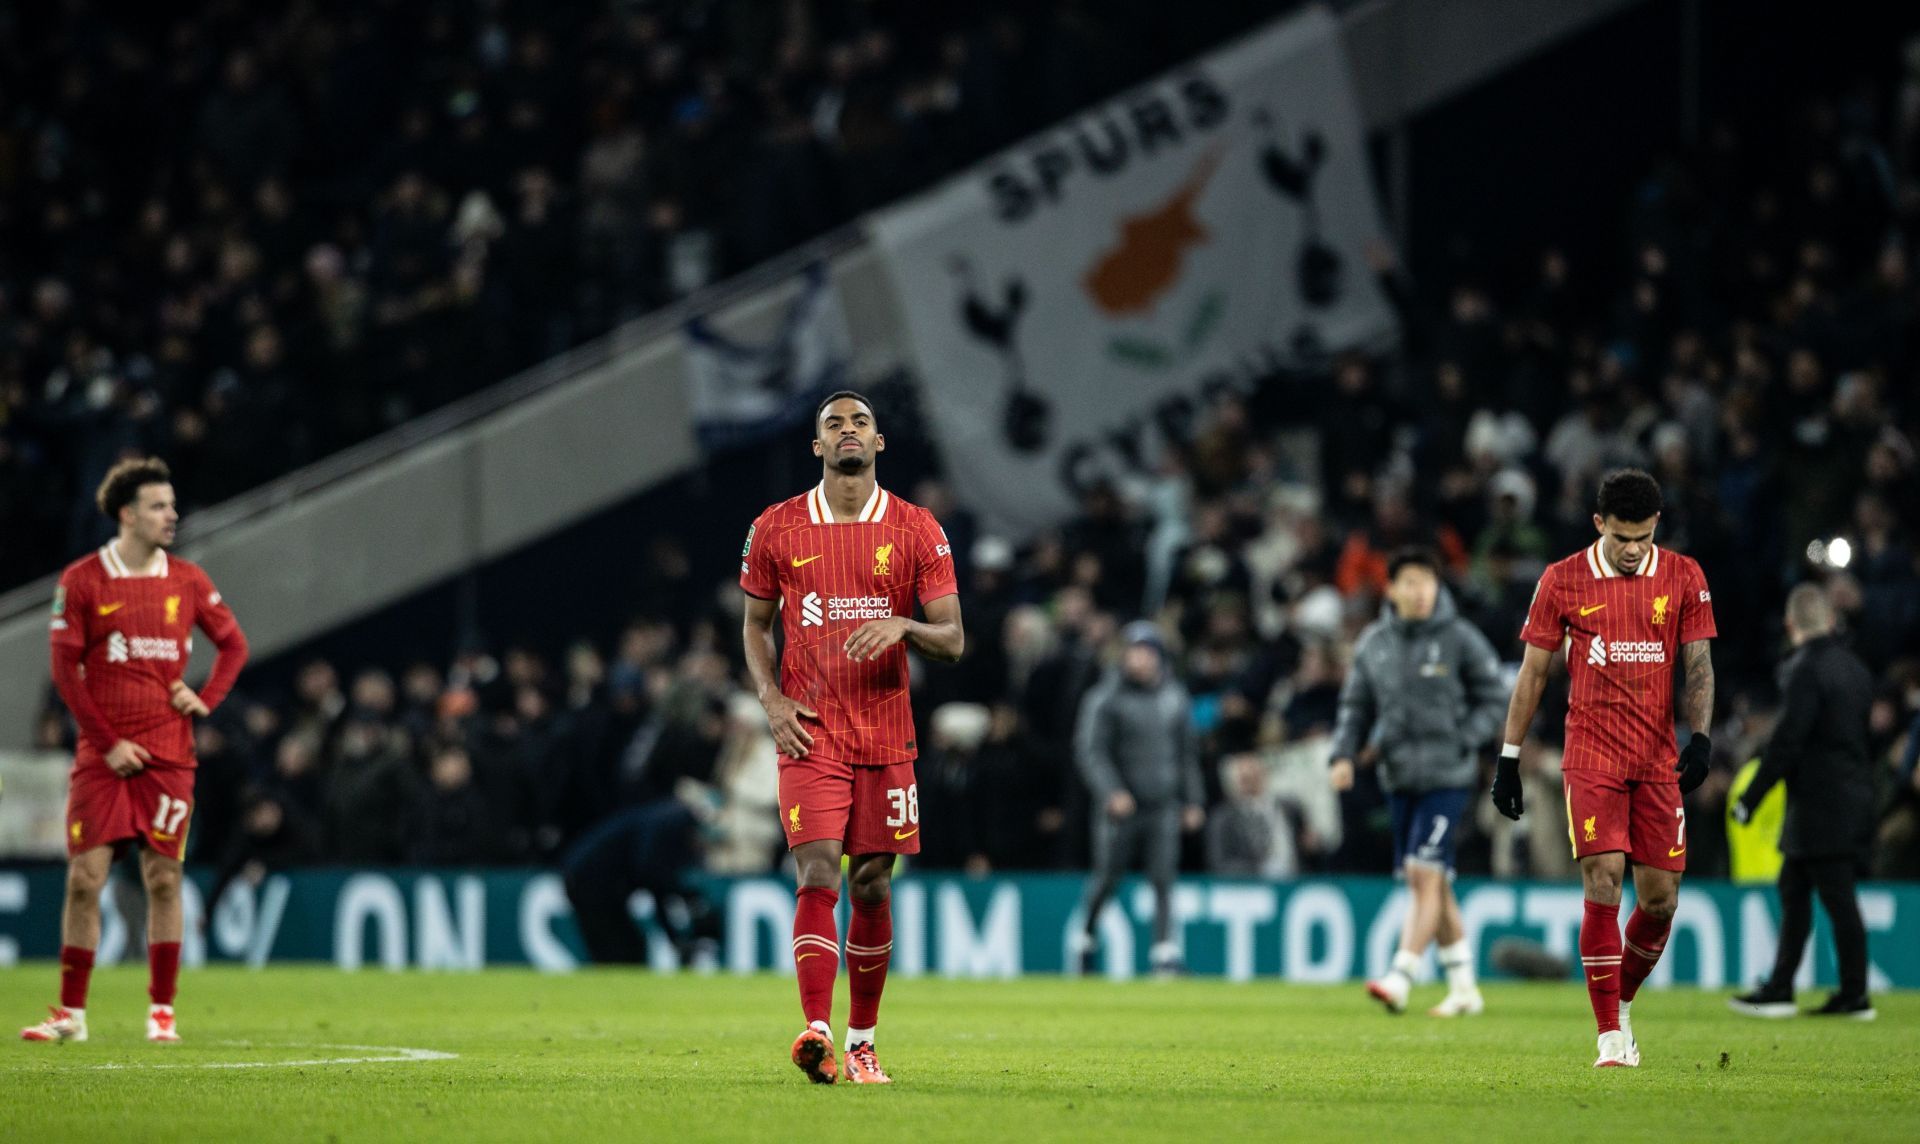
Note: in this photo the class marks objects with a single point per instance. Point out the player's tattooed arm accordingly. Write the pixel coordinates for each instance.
(1696, 701)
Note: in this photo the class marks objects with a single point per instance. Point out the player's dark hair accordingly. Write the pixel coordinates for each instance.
(1413, 557)
(1629, 494)
(125, 480)
(836, 395)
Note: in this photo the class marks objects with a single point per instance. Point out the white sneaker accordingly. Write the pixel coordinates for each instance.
(1617, 1050)
(1391, 991)
(1633, 1046)
(1466, 1003)
(60, 1025)
(160, 1024)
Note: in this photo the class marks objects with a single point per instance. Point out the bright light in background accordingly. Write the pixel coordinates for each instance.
(1835, 553)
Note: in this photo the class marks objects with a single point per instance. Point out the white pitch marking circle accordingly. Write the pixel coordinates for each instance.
(390, 1054)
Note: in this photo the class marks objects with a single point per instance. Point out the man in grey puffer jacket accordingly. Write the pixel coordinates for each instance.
(1136, 749)
(1425, 688)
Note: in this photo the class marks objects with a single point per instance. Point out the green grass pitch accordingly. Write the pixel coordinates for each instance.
(615, 1055)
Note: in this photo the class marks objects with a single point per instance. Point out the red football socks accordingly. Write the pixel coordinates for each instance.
(1600, 956)
(869, 948)
(76, 969)
(816, 951)
(1646, 940)
(163, 970)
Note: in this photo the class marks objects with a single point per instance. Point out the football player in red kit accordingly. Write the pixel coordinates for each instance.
(842, 566)
(1624, 609)
(123, 618)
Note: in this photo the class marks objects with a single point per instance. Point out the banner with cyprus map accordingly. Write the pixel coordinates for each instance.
(1075, 300)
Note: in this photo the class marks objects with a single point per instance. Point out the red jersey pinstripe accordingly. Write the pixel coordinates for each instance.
(1623, 636)
(830, 578)
(135, 633)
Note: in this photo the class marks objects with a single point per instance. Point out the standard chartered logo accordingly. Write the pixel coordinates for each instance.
(815, 611)
(1600, 653)
(120, 649)
(859, 607)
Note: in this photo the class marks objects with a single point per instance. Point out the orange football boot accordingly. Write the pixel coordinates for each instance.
(863, 1067)
(813, 1052)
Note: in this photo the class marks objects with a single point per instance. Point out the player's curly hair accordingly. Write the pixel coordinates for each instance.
(124, 481)
(837, 395)
(1629, 494)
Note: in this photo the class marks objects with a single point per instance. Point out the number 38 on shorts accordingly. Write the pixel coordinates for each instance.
(868, 810)
(906, 805)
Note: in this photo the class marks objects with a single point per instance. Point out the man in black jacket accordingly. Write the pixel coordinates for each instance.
(1819, 747)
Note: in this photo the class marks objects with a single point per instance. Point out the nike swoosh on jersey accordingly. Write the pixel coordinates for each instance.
(797, 562)
(110, 609)
(1676, 853)
(1592, 610)
(901, 836)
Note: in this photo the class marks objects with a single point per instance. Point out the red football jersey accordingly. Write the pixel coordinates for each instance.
(1623, 636)
(830, 578)
(135, 633)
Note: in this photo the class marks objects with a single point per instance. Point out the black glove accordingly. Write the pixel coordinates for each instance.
(1506, 787)
(1692, 766)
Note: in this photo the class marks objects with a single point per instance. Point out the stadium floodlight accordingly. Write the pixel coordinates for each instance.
(1835, 553)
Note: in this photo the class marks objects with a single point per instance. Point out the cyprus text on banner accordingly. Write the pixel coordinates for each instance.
(1073, 299)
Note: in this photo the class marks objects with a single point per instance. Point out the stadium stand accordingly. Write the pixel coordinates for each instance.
(1747, 335)
(247, 239)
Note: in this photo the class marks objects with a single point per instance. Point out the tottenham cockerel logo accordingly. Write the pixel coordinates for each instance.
(1025, 415)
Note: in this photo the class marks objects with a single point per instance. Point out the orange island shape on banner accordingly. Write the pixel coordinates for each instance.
(1131, 277)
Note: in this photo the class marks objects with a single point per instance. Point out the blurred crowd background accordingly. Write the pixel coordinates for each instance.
(250, 235)
(246, 241)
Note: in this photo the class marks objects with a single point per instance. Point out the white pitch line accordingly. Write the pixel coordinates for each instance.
(399, 1055)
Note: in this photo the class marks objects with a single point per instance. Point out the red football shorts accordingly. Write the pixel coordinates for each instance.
(869, 810)
(154, 805)
(1647, 820)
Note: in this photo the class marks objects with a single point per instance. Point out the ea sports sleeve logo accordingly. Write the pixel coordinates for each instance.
(811, 613)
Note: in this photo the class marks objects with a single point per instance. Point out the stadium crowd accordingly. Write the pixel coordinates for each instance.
(248, 237)
(1755, 356)
(1752, 346)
